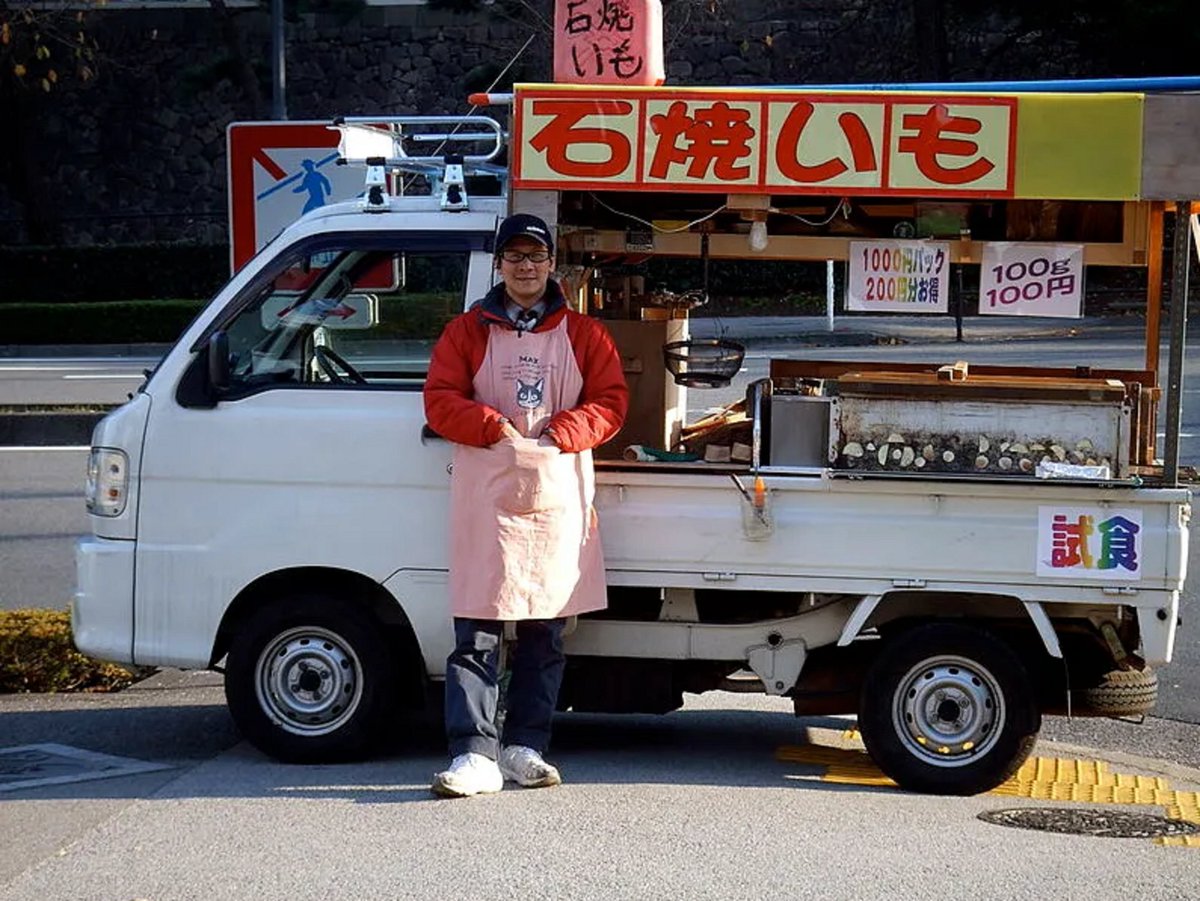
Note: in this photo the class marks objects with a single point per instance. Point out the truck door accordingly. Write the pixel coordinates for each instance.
(313, 455)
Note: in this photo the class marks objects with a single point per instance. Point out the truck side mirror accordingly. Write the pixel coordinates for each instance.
(218, 361)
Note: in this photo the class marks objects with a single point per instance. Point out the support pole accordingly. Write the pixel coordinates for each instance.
(958, 306)
(1181, 256)
(829, 295)
(1154, 268)
(1154, 286)
(278, 74)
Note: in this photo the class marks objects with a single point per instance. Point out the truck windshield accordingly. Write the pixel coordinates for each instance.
(379, 311)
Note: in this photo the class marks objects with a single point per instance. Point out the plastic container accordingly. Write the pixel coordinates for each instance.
(757, 521)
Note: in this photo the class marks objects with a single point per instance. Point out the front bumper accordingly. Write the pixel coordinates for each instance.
(102, 606)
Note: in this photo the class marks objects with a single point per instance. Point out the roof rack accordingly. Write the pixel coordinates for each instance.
(383, 144)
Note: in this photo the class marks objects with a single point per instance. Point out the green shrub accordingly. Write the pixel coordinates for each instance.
(115, 322)
(37, 655)
(415, 315)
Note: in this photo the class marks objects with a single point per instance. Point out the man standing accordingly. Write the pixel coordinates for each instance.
(525, 388)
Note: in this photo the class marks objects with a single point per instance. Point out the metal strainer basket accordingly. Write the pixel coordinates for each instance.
(708, 363)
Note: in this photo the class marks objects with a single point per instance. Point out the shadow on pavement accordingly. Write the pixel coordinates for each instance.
(690, 747)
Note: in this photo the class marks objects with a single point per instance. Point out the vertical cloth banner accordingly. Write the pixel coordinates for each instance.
(1031, 280)
(898, 277)
(608, 42)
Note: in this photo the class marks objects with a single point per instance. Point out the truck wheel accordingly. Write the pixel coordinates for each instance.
(1122, 693)
(948, 709)
(310, 679)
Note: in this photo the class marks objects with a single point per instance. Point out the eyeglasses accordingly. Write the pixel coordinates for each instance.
(516, 256)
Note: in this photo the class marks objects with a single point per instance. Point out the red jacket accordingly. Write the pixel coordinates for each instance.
(453, 413)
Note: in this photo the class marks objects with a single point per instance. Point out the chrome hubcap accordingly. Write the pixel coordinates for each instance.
(948, 711)
(309, 681)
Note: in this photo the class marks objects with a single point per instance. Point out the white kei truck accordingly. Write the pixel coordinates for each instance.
(948, 551)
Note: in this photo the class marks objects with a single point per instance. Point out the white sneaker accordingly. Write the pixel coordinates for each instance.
(469, 774)
(525, 767)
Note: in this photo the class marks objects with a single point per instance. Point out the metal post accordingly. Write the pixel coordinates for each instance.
(1154, 290)
(1154, 267)
(958, 306)
(1180, 259)
(278, 74)
(829, 295)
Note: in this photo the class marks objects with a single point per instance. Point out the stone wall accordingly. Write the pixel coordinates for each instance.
(139, 155)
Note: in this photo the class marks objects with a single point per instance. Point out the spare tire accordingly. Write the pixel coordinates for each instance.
(1121, 693)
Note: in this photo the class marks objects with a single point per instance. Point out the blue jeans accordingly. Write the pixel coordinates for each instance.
(472, 685)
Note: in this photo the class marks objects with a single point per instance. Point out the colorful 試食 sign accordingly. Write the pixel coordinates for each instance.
(1031, 280)
(898, 277)
(1099, 543)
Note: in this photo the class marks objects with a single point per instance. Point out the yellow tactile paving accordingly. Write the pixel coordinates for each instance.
(1185, 807)
(821, 754)
(1040, 778)
(1179, 841)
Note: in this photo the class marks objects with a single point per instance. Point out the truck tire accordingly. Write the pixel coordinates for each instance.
(311, 678)
(1122, 693)
(948, 709)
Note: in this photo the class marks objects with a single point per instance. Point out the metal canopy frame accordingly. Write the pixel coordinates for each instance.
(1181, 256)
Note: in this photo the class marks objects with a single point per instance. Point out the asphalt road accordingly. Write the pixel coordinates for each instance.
(41, 515)
(65, 381)
(695, 804)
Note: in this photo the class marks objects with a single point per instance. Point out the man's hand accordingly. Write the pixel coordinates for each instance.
(508, 430)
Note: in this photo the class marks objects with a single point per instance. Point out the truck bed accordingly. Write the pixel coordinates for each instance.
(872, 536)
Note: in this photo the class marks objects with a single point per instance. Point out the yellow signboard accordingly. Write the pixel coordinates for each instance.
(1068, 146)
(1080, 146)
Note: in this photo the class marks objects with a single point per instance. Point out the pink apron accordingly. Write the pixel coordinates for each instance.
(524, 538)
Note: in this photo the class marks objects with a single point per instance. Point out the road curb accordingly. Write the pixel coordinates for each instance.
(170, 679)
(1167, 768)
(817, 339)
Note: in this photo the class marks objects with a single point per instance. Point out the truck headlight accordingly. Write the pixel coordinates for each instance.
(107, 481)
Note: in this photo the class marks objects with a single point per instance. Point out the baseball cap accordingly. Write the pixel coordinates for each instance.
(524, 225)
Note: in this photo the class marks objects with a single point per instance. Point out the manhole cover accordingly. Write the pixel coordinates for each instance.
(1088, 821)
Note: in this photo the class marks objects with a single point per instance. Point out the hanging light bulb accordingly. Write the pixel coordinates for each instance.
(758, 235)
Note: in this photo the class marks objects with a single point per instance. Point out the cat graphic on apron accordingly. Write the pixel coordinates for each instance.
(525, 542)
